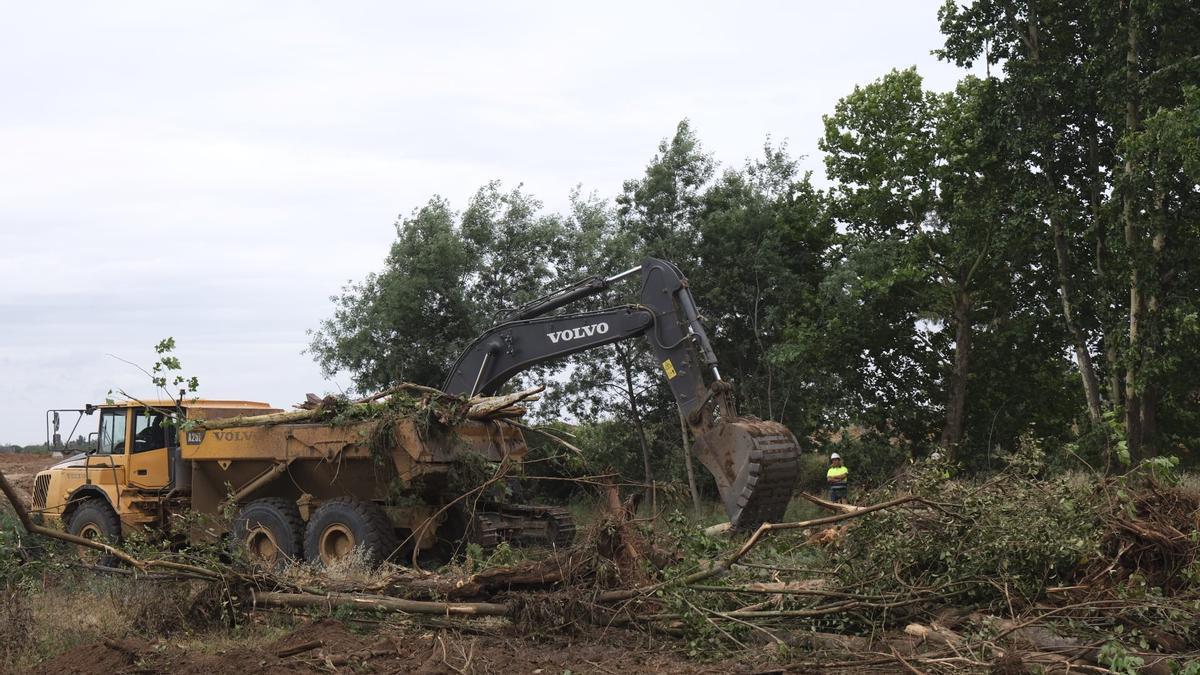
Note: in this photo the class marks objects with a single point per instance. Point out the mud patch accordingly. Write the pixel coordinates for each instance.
(109, 656)
(391, 649)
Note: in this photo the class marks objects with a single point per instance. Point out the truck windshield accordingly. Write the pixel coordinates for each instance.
(112, 432)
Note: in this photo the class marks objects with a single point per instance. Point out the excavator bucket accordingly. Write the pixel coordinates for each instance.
(756, 464)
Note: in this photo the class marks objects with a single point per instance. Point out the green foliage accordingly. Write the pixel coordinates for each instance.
(168, 365)
(971, 264)
(1114, 656)
(447, 277)
(1017, 529)
(871, 457)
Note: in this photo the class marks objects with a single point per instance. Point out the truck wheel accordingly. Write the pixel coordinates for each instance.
(269, 532)
(343, 524)
(94, 519)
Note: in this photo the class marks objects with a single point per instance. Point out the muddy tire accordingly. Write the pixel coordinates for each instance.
(343, 524)
(94, 519)
(269, 532)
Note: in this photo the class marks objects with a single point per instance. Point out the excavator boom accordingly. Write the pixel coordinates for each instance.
(755, 462)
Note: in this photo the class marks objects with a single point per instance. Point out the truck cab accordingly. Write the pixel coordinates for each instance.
(131, 467)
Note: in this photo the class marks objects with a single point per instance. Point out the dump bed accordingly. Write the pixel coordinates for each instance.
(327, 460)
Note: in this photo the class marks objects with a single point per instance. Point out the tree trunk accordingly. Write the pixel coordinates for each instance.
(1152, 333)
(1083, 357)
(956, 405)
(648, 474)
(1133, 388)
(687, 463)
(1108, 335)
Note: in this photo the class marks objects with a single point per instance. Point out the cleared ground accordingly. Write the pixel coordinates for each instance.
(20, 468)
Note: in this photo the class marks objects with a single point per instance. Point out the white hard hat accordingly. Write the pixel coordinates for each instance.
(935, 456)
(835, 456)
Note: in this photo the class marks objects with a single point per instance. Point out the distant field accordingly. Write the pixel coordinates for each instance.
(20, 468)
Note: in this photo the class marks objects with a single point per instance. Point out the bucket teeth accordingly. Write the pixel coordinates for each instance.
(773, 469)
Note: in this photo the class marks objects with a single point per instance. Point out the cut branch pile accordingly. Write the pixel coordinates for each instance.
(448, 408)
(1012, 574)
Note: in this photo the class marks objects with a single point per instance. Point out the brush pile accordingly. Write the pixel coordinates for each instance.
(1013, 573)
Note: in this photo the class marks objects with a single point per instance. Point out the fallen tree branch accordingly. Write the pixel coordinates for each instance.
(289, 417)
(378, 603)
(832, 506)
(714, 568)
(547, 434)
(407, 386)
(486, 406)
(33, 528)
(299, 649)
(773, 527)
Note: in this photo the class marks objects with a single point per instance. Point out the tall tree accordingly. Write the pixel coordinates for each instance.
(921, 174)
(1080, 79)
(764, 233)
(447, 277)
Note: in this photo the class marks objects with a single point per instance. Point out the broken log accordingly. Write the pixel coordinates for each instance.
(378, 603)
(486, 406)
(290, 417)
(831, 506)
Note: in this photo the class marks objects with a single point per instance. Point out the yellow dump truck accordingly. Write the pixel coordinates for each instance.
(315, 490)
(320, 490)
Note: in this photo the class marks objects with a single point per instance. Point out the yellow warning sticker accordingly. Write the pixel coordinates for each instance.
(669, 368)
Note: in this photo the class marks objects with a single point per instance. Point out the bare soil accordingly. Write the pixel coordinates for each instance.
(20, 469)
(333, 647)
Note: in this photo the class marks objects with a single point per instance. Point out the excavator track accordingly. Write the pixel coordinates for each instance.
(525, 524)
(562, 525)
(483, 530)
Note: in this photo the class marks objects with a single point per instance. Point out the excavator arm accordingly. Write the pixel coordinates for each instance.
(755, 462)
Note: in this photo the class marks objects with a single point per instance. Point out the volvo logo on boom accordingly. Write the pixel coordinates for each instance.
(576, 333)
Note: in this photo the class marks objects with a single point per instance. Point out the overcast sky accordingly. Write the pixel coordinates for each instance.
(215, 171)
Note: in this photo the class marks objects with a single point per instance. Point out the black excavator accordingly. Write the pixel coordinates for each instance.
(755, 462)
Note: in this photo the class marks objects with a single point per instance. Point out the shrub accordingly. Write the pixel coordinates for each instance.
(1003, 541)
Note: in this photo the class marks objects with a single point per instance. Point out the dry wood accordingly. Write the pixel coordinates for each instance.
(774, 527)
(378, 602)
(553, 437)
(357, 657)
(719, 530)
(831, 506)
(486, 406)
(407, 386)
(291, 417)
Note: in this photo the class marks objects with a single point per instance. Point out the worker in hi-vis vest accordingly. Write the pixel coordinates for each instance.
(837, 477)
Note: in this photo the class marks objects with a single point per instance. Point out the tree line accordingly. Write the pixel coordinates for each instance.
(1010, 262)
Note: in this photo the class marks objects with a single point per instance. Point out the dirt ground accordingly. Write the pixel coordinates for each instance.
(328, 645)
(20, 468)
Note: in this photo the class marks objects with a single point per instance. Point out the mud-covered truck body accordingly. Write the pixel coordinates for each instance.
(384, 494)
